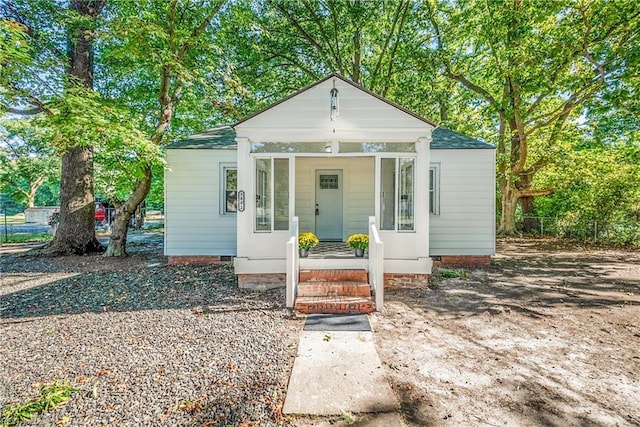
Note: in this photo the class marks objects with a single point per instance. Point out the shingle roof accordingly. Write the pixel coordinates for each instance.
(223, 137)
(217, 138)
(443, 138)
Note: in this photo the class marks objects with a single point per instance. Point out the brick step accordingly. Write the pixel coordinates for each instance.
(334, 305)
(322, 289)
(333, 276)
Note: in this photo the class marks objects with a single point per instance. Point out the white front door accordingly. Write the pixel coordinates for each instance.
(329, 204)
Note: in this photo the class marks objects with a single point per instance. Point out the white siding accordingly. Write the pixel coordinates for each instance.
(305, 117)
(193, 223)
(358, 191)
(466, 224)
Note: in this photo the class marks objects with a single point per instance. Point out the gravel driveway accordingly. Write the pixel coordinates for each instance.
(146, 343)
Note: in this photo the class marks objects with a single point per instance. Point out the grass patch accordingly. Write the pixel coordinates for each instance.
(13, 219)
(154, 226)
(25, 237)
(49, 396)
(448, 273)
(349, 418)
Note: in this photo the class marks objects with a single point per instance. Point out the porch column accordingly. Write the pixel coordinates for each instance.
(245, 183)
(423, 163)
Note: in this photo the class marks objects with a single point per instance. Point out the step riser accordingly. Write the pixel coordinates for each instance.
(311, 289)
(333, 276)
(335, 308)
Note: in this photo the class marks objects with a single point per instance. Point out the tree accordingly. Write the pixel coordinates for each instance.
(532, 66)
(27, 161)
(152, 47)
(75, 232)
(275, 47)
(57, 80)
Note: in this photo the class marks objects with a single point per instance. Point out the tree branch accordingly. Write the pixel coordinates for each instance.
(470, 85)
(301, 30)
(29, 112)
(525, 192)
(334, 52)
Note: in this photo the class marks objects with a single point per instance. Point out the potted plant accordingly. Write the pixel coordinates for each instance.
(359, 242)
(306, 241)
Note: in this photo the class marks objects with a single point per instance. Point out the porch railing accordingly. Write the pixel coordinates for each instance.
(293, 263)
(376, 263)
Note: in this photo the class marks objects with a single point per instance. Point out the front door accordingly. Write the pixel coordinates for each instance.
(329, 204)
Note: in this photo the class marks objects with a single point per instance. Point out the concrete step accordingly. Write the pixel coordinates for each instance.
(334, 305)
(356, 275)
(323, 289)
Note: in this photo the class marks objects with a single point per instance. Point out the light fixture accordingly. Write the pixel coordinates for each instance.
(334, 104)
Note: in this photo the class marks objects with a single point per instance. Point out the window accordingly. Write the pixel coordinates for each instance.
(263, 194)
(328, 182)
(405, 217)
(281, 194)
(434, 189)
(397, 198)
(377, 147)
(229, 187)
(272, 194)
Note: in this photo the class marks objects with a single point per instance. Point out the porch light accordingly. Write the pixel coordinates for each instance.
(334, 104)
(327, 147)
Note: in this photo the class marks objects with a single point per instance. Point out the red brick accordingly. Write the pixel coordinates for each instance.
(463, 261)
(334, 305)
(197, 259)
(261, 281)
(404, 280)
(334, 276)
(334, 288)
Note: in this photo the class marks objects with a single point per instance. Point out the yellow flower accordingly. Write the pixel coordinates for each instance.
(358, 241)
(307, 240)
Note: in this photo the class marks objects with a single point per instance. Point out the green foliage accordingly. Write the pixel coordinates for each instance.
(597, 191)
(24, 237)
(49, 397)
(27, 163)
(448, 273)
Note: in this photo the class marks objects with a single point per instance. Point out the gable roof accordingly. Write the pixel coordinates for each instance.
(220, 138)
(443, 138)
(346, 80)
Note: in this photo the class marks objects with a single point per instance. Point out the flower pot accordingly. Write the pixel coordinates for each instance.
(359, 253)
(304, 252)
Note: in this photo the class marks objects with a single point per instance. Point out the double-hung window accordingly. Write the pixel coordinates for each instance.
(272, 194)
(229, 187)
(397, 188)
(434, 189)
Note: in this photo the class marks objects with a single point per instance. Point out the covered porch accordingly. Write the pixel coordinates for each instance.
(361, 169)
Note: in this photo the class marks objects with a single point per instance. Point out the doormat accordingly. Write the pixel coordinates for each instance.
(337, 322)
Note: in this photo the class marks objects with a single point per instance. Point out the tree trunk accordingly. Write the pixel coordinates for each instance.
(510, 196)
(119, 229)
(124, 210)
(529, 225)
(76, 232)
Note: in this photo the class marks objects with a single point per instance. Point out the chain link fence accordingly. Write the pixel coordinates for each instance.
(592, 230)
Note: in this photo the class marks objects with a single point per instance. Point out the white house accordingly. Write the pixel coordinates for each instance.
(334, 159)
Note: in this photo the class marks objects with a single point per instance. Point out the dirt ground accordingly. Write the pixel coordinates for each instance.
(549, 335)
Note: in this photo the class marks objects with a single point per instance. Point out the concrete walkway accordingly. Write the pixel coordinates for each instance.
(337, 372)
